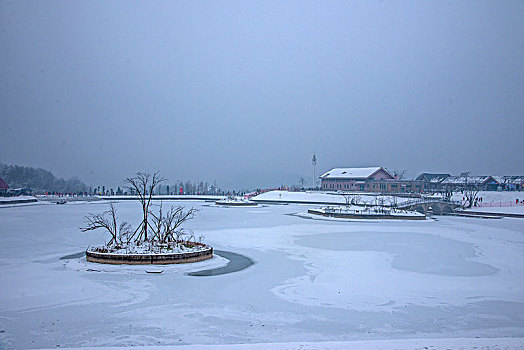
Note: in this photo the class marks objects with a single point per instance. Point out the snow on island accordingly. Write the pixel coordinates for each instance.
(371, 212)
(236, 202)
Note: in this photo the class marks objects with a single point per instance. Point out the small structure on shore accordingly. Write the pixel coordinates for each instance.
(368, 212)
(158, 239)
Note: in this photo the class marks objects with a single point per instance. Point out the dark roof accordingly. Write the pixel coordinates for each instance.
(3, 184)
(470, 180)
(429, 177)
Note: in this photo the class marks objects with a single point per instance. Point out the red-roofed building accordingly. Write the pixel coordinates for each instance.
(3, 186)
(370, 179)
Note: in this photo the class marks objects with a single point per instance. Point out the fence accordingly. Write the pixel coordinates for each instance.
(505, 204)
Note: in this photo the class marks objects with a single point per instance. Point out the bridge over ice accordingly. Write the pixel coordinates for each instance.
(439, 206)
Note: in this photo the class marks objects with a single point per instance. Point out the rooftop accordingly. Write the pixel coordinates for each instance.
(3, 184)
(468, 179)
(352, 173)
(434, 178)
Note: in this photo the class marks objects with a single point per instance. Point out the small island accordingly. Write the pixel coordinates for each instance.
(233, 201)
(367, 212)
(158, 239)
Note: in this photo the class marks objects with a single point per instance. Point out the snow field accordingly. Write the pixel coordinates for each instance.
(397, 344)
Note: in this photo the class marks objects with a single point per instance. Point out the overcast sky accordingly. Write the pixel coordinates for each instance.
(244, 92)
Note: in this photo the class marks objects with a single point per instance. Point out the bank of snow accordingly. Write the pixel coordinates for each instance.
(319, 197)
(166, 197)
(17, 200)
(493, 196)
(504, 202)
(397, 344)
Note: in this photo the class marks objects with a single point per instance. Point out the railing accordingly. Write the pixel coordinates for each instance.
(413, 202)
(505, 204)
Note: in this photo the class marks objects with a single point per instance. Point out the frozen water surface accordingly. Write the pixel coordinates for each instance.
(236, 263)
(313, 280)
(416, 252)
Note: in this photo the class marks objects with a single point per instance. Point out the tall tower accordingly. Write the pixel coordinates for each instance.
(314, 162)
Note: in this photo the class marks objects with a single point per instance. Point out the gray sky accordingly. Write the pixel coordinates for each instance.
(244, 92)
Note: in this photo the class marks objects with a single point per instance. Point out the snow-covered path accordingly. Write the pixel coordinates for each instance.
(313, 281)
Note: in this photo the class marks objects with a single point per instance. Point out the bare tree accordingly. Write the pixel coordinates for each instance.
(471, 191)
(173, 221)
(107, 220)
(157, 225)
(347, 198)
(357, 198)
(379, 201)
(167, 226)
(352, 199)
(179, 234)
(393, 201)
(471, 195)
(301, 181)
(125, 233)
(399, 174)
(143, 184)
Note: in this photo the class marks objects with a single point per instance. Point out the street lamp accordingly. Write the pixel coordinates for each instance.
(314, 162)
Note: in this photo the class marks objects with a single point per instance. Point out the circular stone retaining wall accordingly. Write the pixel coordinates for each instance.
(149, 259)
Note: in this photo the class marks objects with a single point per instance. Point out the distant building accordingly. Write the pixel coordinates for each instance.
(432, 182)
(3, 186)
(371, 179)
(447, 182)
(511, 183)
(485, 183)
(20, 192)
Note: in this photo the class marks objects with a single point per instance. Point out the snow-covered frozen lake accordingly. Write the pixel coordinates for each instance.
(312, 280)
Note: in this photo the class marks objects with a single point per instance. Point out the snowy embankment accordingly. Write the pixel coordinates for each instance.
(17, 200)
(316, 197)
(397, 344)
(493, 196)
(496, 202)
(164, 197)
(67, 198)
(504, 210)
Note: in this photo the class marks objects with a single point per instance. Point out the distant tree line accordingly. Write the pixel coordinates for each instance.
(43, 181)
(188, 187)
(179, 187)
(197, 187)
(39, 180)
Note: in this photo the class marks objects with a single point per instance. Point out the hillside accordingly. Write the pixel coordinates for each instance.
(40, 180)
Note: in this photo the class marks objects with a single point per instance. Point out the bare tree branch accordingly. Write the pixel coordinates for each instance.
(96, 221)
(144, 185)
(158, 227)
